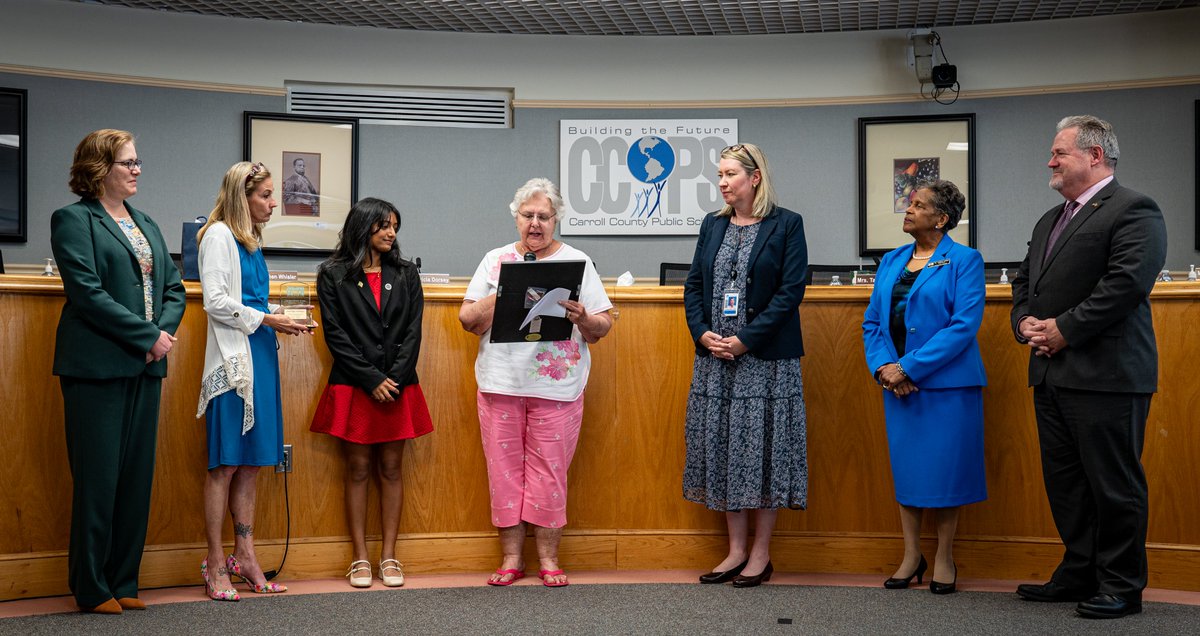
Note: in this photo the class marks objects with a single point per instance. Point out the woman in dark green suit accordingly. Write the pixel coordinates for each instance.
(124, 302)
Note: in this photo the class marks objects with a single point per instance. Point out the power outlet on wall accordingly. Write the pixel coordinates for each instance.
(285, 466)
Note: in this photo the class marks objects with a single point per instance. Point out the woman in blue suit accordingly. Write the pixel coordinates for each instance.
(919, 334)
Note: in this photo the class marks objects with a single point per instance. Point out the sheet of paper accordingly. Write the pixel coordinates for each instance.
(548, 305)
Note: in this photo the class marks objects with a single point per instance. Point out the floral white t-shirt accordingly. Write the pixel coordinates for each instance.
(550, 370)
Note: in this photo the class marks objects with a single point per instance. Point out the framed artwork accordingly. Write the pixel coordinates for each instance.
(895, 154)
(314, 164)
(13, 164)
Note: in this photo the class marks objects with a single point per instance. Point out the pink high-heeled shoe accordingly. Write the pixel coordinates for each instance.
(213, 593)
(266, 588)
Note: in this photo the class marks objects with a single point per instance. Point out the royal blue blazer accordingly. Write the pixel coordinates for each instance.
(945, 309)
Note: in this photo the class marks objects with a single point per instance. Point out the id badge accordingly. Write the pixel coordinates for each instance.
(730, 305)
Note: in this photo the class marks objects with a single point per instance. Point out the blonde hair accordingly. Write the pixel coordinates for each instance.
(752, 158)
(233, 206)
(94, 157)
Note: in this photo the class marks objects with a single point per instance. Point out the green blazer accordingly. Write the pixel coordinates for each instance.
(103, 332)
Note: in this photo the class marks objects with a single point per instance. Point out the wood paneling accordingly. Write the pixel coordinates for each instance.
(625, 508)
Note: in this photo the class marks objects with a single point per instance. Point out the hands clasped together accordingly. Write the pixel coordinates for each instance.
(161, 347)
(724, 348)
(893, 379)
(1042, 335)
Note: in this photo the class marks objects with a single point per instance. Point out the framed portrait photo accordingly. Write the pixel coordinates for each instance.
(314, 164)
(896, 154)
(13, 164)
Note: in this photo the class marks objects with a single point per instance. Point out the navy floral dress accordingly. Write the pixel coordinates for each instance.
(746, 431)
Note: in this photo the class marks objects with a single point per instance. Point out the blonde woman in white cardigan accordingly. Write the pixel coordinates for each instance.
(239, 393)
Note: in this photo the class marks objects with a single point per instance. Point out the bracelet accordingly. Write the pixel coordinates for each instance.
(901, 369)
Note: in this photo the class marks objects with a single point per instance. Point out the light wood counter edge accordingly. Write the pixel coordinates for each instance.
(46, 285)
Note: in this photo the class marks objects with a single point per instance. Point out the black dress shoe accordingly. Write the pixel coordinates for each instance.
(900, 584)
(945, 588)
(1108, 606)
(1052, 592)
(722, 577)
(756, 580)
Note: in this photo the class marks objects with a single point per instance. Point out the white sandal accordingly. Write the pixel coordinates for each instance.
(391, 580)
(357, 576)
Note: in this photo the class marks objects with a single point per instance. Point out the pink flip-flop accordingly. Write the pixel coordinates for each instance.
(546, 573)
(517, 576)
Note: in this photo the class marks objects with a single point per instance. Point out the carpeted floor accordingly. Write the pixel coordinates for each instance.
(619, 609)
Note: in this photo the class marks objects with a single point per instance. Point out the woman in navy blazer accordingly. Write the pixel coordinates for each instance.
(371, 308)
(919, 333)
(745, 429)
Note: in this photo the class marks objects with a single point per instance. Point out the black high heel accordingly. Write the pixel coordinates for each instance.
(722, 577)
(945, 588)
(900, 584)
(756, 580)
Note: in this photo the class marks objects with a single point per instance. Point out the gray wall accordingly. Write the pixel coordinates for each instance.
(453, 185)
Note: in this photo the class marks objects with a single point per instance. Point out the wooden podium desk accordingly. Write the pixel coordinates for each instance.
(626, 510)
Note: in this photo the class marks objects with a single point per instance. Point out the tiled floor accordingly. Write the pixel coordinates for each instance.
(60, 604)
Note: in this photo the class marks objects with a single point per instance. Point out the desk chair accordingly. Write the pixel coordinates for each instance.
(673, 273)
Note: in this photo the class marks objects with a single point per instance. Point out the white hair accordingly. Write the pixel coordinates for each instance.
(534, 187)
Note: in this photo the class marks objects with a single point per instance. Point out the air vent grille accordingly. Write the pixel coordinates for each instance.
(402, 106)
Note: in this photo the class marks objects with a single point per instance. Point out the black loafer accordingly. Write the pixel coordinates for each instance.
(723, 577)
(1108, 606)
(1052, 592)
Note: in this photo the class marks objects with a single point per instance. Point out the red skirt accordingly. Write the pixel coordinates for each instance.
(350, 413)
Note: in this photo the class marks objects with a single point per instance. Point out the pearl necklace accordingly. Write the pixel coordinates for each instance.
(922, 258)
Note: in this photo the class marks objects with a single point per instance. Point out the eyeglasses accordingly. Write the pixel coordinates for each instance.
(254, 170)
(742, 149)
(129, 164)
(544, 218)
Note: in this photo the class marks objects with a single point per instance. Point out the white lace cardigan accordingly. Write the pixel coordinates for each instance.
(227, 363)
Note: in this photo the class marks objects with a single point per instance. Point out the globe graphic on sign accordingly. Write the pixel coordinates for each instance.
(651, 159)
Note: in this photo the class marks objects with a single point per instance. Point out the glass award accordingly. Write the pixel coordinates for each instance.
(296, 302)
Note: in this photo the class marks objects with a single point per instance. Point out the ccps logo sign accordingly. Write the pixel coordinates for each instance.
(640, 176)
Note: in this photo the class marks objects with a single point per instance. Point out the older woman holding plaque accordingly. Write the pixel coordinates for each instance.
(919, 333)
(746, 424)
(239, 394)
(124, 302)
(531, 393)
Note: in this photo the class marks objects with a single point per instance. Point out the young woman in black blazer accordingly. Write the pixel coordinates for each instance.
(371, 306)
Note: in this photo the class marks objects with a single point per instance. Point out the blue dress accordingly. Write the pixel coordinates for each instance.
(263, 444)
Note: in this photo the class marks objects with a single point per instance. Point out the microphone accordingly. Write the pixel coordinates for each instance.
(530, 256)
(417, 262)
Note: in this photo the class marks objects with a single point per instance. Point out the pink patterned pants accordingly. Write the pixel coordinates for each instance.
(529, 443)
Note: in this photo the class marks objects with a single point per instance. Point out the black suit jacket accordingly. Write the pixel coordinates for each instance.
(369, 344)
(103, 332)
(1096, 283)
(774, 285)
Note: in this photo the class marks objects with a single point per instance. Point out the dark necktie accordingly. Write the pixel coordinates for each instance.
(1061, 224)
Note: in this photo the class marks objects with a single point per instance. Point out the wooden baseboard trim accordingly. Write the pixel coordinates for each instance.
(1175, 567)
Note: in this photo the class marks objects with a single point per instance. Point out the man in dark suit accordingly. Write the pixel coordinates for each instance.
(1081, 303)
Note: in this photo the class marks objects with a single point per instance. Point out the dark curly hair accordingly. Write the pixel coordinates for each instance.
(946, 199)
